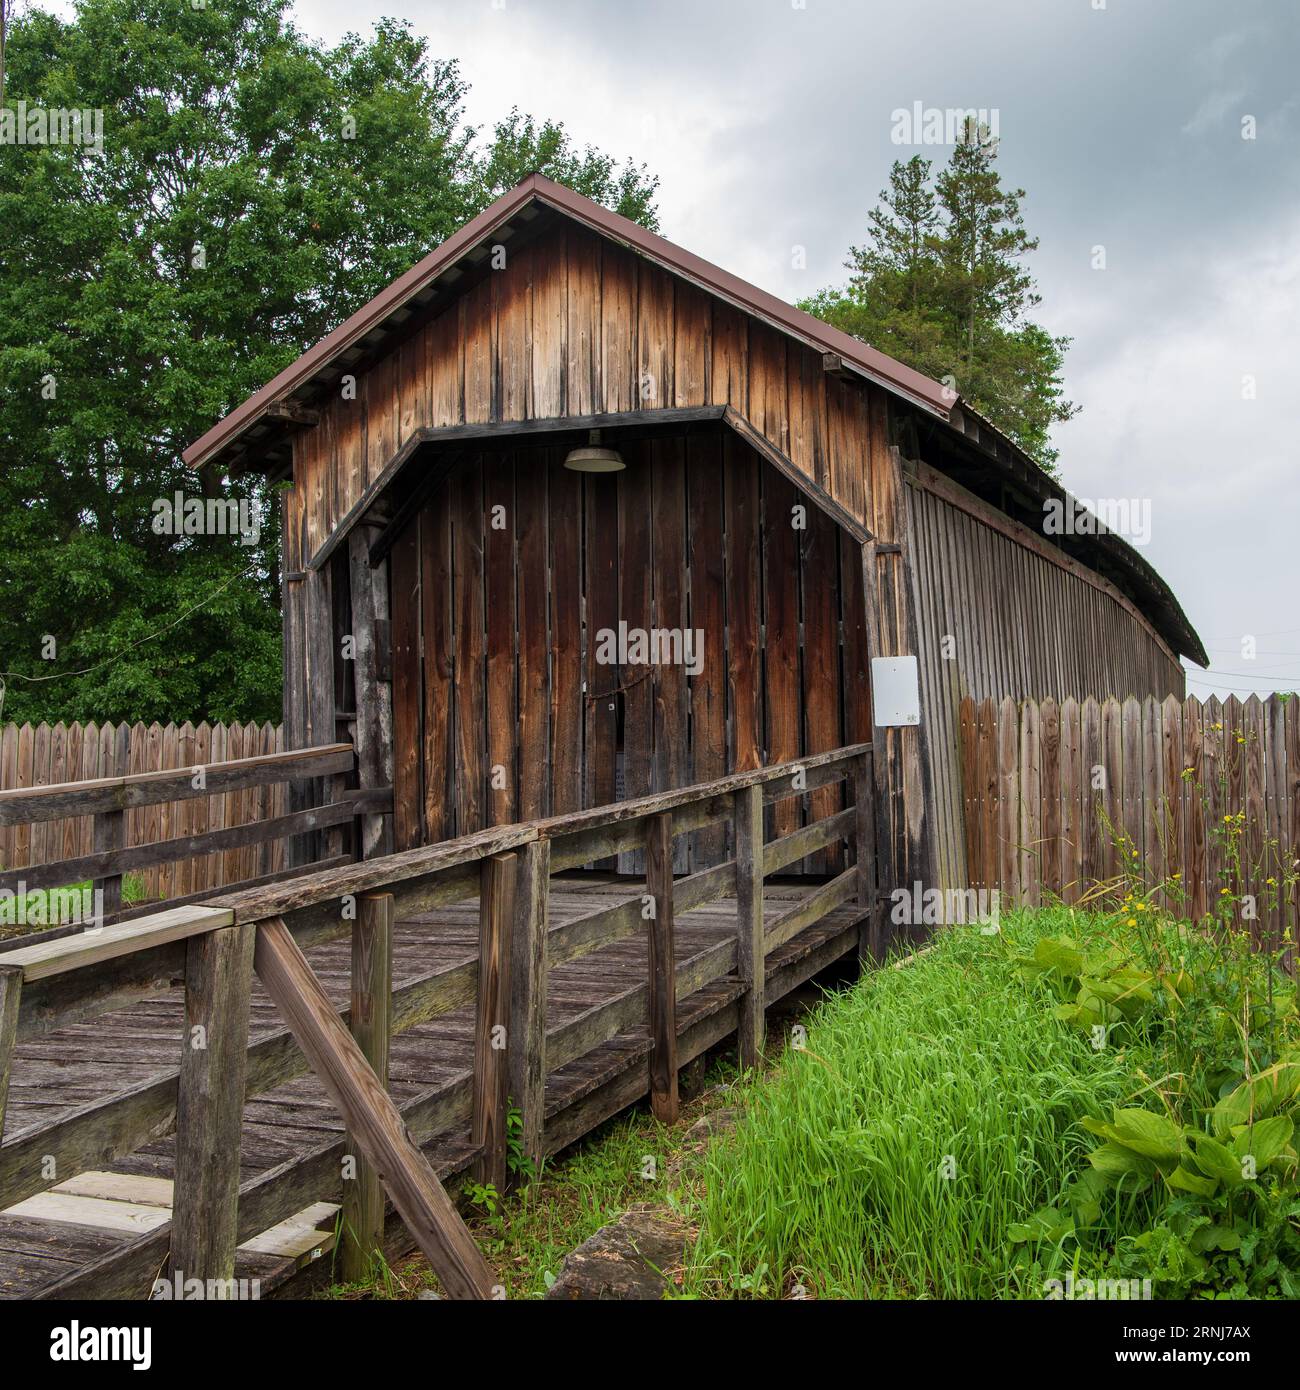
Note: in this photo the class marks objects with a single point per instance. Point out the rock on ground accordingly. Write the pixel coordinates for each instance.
(632, 1259)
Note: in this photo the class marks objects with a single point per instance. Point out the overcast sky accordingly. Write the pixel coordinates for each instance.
(769, 124)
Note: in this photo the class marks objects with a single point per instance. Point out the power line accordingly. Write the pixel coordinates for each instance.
(119, 656)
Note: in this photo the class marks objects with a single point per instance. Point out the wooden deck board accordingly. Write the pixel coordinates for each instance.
(59, 1072)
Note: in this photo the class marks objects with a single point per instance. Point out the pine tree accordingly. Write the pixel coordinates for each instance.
(941, 285)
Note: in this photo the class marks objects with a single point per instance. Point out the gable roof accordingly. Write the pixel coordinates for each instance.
(412, 291)
(264, 419)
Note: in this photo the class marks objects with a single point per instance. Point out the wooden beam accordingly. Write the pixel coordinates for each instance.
(812, 907)
(439, 470)
(526, 1038)
(663, 974)
(821, 834)
(870, 945)
(496, 913)
(61, 799)
(109, 835)
(111, 862)
(124, 939)
(749, 925)
(11, 989)
(371, 1116)
(210, 1104)
(291, 413)
(361, 1237)
(374, 723)
(785, 465)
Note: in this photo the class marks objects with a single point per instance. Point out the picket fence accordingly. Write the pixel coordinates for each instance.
(1202, 795)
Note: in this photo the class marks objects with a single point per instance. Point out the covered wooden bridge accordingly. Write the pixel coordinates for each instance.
(591, 553)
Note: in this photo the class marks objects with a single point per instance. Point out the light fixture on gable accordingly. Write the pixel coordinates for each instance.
(592, 458)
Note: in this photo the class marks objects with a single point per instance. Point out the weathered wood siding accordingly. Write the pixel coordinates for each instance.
(1003, 612)
(508, 715)
(574, 326)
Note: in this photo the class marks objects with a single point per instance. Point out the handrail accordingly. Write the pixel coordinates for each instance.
(25, 805)
(108, 800)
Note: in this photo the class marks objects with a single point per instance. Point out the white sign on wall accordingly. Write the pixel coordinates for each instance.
(895, 692)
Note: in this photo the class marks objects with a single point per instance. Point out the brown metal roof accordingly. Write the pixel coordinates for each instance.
(537, 189)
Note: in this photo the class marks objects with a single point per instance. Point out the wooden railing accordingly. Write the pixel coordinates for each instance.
(215, 948)
(108, 801)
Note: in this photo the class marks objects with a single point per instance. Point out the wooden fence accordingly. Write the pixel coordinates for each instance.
(47, 754)
(1205, 793)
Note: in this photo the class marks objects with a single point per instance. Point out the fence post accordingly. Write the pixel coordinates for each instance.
(496, 910)
(871, 944)
(11, 989)
(210, 1104)
(362, 1232)
(110, 834)
(526, 1035)
(339, 839)
(663, 969)
(750, 953)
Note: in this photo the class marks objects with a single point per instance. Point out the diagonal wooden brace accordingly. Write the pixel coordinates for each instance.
(372, 1119)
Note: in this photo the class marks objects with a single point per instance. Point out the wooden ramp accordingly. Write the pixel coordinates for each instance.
(100, 1095)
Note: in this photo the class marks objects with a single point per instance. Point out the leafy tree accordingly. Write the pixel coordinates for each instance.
(941, 285)
(254, 190)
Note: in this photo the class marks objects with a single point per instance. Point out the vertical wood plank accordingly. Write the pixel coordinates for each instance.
(1071, 801)
(1030, 804)
(470, 777)
(498, 877)
(749, 924)
(708, 578)
(534, 760)
(602, 615)
(744, 689)
(568, 712)
(526, 1039)
(210, 1103)
(110, 834)
(502, 650)
(408, 791)
(636, 610)
(781, 635)
(1008, 800)
(663, 970)
(11, 989)
(371, 1024)
(436, 590)
(820, 669)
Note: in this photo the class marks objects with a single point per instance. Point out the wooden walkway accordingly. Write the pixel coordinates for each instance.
(57, 1232)
(515, 972)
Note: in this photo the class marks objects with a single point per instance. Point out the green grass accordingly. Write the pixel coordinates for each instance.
(934, 1106)
(596, 1181)
(52, 907)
